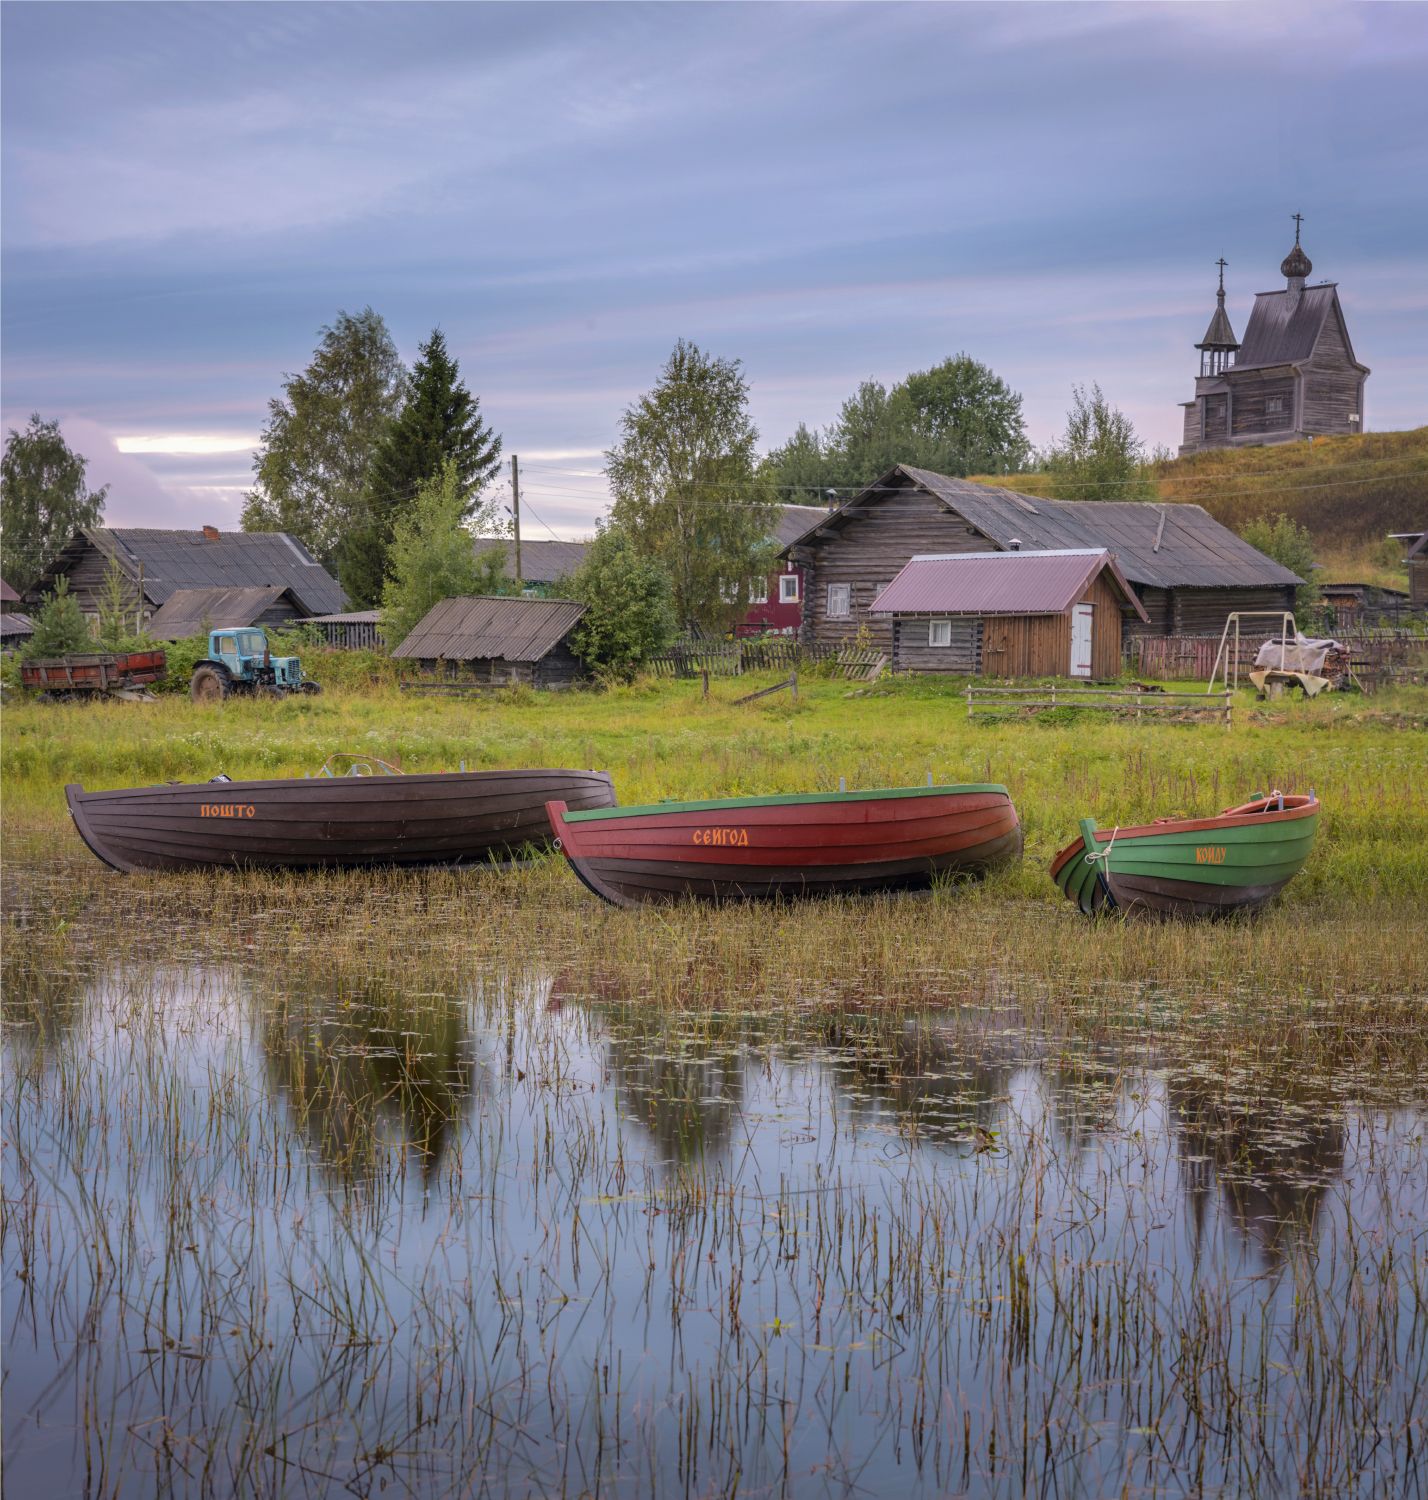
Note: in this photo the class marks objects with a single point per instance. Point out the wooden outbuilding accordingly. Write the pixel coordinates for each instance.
(157, 564)
(1187, 570)
(498, 640)
(1010, 614)
(189, 612)
(1415, 559)
(542, 563)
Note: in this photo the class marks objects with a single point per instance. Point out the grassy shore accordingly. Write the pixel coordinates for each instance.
(1350, 921)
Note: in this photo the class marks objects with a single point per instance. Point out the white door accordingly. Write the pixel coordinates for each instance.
(1081, 641)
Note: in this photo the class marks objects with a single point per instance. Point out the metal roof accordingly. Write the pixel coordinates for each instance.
(173, 560)
(192, 611)
(7, 594)
(349, 617)
(1283, 329)
(541, 562)
(1000, 583)
(13, 625)
(1156, 545)
(484, 628)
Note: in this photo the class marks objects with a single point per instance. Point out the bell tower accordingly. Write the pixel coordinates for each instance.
(1218, 346)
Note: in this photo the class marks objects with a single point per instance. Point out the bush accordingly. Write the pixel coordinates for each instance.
(1292, 547)
(60, 627)
(629, 608)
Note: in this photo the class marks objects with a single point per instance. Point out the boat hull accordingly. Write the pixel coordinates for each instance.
(344, 822)
(1191, 867)
(767, 848)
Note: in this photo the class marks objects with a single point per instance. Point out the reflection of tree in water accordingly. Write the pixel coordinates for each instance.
(368, 1069)
(1273, 1154)
(941, 1081)
(42, 1004)
(686, 1091)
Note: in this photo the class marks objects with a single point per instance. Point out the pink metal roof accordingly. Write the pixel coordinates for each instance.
(999, 583)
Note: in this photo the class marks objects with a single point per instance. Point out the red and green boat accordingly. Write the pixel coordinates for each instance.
(1191, 867)
(820, 843)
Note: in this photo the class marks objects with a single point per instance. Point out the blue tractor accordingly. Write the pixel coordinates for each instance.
(239, 661)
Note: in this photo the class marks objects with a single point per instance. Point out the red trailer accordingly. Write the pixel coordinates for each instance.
(118, 674)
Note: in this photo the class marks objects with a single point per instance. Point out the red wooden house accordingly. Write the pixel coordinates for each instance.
(776, 603)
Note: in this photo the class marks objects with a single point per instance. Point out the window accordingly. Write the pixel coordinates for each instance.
(788, 588)
(227, 645)
(839, 600)
(1274, 406)
(758, 591)
(939, 632)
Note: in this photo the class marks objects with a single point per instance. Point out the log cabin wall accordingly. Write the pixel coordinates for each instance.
(1418, 582)
(1262, 407)
(86, 581)
(1204, 611)
(1156, 603)
(913, 653)
(1332, 384)
(866, 552)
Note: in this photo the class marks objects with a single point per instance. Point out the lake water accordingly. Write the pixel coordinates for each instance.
(530, 1239)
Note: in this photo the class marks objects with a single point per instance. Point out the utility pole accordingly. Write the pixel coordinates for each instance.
(516, 515)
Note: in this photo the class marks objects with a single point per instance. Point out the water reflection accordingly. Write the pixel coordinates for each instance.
(366, 1069)
(689, 1254)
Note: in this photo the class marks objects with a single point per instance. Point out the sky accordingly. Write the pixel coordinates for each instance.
(829, 193)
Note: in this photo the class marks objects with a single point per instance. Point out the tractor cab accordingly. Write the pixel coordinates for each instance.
(240, 660)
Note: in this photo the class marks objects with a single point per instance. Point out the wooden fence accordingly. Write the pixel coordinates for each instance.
(1036, 698)
(733, 658)
(1375, 658)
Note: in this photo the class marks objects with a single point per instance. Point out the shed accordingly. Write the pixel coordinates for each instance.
(350, 630)
(499, 639)
(15, 630)
(193, 611)
(159, 563)
(1415, 558)
(1188, 571)
(542, 563)
(1010, 614)
(7, 594)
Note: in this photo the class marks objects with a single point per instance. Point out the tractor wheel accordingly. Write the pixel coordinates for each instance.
(312, 689)
(209, 685)
(270, 690)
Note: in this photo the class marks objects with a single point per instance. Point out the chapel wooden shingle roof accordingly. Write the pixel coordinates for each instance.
(1156, 545)
(490, 629)
(1283, 329)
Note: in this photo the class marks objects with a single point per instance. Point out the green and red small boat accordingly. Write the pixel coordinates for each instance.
(819, 843)
(1191, 867)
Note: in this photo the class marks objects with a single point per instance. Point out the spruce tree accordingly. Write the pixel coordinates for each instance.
(440, 424)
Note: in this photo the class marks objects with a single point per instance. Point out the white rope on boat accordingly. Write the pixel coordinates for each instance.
(1093, 856)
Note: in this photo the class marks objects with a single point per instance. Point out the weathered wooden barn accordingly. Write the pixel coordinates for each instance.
(1010, 614)
(1294, 376)
(1359, 606)
(156, 564)
(498, 640)
(193, 611)
(1188, 571)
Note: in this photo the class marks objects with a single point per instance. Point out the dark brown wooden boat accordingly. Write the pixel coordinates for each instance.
(334, 822)
(808, 844)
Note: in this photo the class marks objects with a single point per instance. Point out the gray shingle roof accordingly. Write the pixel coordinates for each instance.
(1156, 545)
(1283, 330)
(173, 560)
(794, 520)
(541, 562)
(485, 628)
(185, 611)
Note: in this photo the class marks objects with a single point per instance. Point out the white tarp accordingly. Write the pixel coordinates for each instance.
(1299, 655)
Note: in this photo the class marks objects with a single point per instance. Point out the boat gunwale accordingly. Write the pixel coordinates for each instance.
(787, 799)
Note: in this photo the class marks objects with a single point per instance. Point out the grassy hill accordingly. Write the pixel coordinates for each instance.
(1350, 492)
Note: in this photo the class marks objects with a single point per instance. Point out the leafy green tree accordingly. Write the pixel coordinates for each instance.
(1099, 457)
(60, 626)
(1291, 546)
(315, 462)
(44, 500)
(432, 557)
(959, 417)
(440, 423)
(685, 487)
(629, 607)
